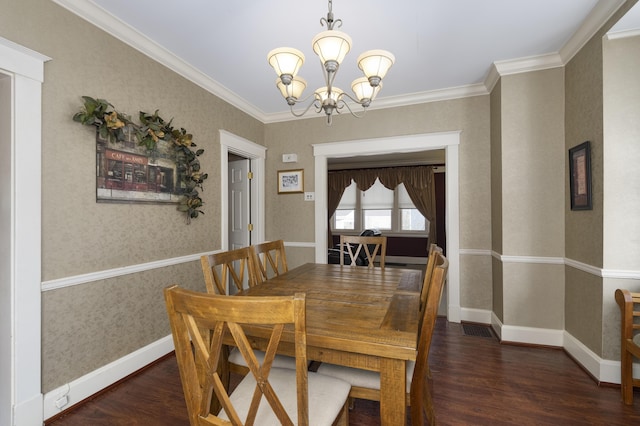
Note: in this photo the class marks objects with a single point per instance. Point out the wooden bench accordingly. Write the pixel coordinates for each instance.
(630, 340)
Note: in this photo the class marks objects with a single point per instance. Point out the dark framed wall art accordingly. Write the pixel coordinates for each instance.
(580, 176)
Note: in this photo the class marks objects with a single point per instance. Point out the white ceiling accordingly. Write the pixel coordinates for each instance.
(443, 48)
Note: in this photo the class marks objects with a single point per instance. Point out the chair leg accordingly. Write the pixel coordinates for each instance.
(626, 376)
(430, 410)
(343, 419)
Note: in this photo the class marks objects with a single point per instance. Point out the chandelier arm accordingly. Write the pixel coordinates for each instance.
(345, 104)
(355, 100)
(306, 109)
(300, 101)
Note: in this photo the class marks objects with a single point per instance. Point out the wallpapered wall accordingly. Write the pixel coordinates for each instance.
(585, 119)
(86, 326)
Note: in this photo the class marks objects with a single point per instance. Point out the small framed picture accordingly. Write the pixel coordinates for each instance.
(580, 176)
(290, 181)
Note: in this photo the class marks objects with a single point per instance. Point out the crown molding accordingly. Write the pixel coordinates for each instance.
(599, 15)
(622, 34)
(104, 20)
(528, 64)
(100, 18)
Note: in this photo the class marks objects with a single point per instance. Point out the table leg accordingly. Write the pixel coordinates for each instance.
(393, 387)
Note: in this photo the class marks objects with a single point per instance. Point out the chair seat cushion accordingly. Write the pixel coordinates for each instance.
(361, 378)
(327, 397)
(280, 361)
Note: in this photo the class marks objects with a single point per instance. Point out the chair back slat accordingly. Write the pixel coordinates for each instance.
(428, 272)
(205, 319)
(371, 246)
(271, 259)
(235, 268)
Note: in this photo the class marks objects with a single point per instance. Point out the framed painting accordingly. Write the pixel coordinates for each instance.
(129, 173)
(290, 181)
(580, 176)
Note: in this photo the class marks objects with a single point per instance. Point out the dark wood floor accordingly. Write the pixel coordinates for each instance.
(477, 381)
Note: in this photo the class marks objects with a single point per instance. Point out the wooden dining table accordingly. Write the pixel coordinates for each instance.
(359, 317)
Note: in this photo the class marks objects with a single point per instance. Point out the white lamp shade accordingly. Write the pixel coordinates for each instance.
(331, 45)
(363, 89)
(286, 60)
(376, 63)
(293, 90)
(322, 94)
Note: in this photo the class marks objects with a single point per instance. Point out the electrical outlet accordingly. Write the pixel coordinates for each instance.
(62, 401)
(309, 196)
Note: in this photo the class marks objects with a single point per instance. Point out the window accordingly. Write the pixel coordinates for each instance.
(410, 218)
(380, 208)
(344, 217)
(377, 206)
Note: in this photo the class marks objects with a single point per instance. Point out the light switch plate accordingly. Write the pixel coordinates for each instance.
(309, 196)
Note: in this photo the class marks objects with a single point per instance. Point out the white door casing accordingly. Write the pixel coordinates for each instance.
(22, 194)
(230, 143)
(449, 141)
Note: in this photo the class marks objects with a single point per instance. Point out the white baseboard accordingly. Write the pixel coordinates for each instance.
(103, 377)
(528, 335)
(481, 316)
(532, 335)
(604, 370)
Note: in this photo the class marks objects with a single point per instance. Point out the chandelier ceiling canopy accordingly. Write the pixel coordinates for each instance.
(331, 46)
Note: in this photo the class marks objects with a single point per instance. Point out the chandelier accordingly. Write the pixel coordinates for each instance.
(331, 46)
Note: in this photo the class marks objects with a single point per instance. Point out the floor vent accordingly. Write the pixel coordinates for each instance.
(477, 330)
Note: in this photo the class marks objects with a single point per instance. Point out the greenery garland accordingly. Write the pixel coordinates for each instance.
(110, 124)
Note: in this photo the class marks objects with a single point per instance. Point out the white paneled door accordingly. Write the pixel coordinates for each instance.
(239, 203)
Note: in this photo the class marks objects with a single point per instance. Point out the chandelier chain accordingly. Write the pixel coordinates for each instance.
(329, 21)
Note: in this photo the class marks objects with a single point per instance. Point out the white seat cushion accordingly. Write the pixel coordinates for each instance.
(361, 378)
(327, 396)
(280, 361)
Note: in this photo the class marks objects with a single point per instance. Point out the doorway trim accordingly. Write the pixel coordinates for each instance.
(449, 141)
(230, 143)
(25, 67)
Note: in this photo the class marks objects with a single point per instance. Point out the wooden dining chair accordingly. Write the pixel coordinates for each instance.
(272, 258)
(630, 340)
(365, 384)
(428, 272)
(371, 246)
(235, 267)
(267, 396)
(238, 267)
